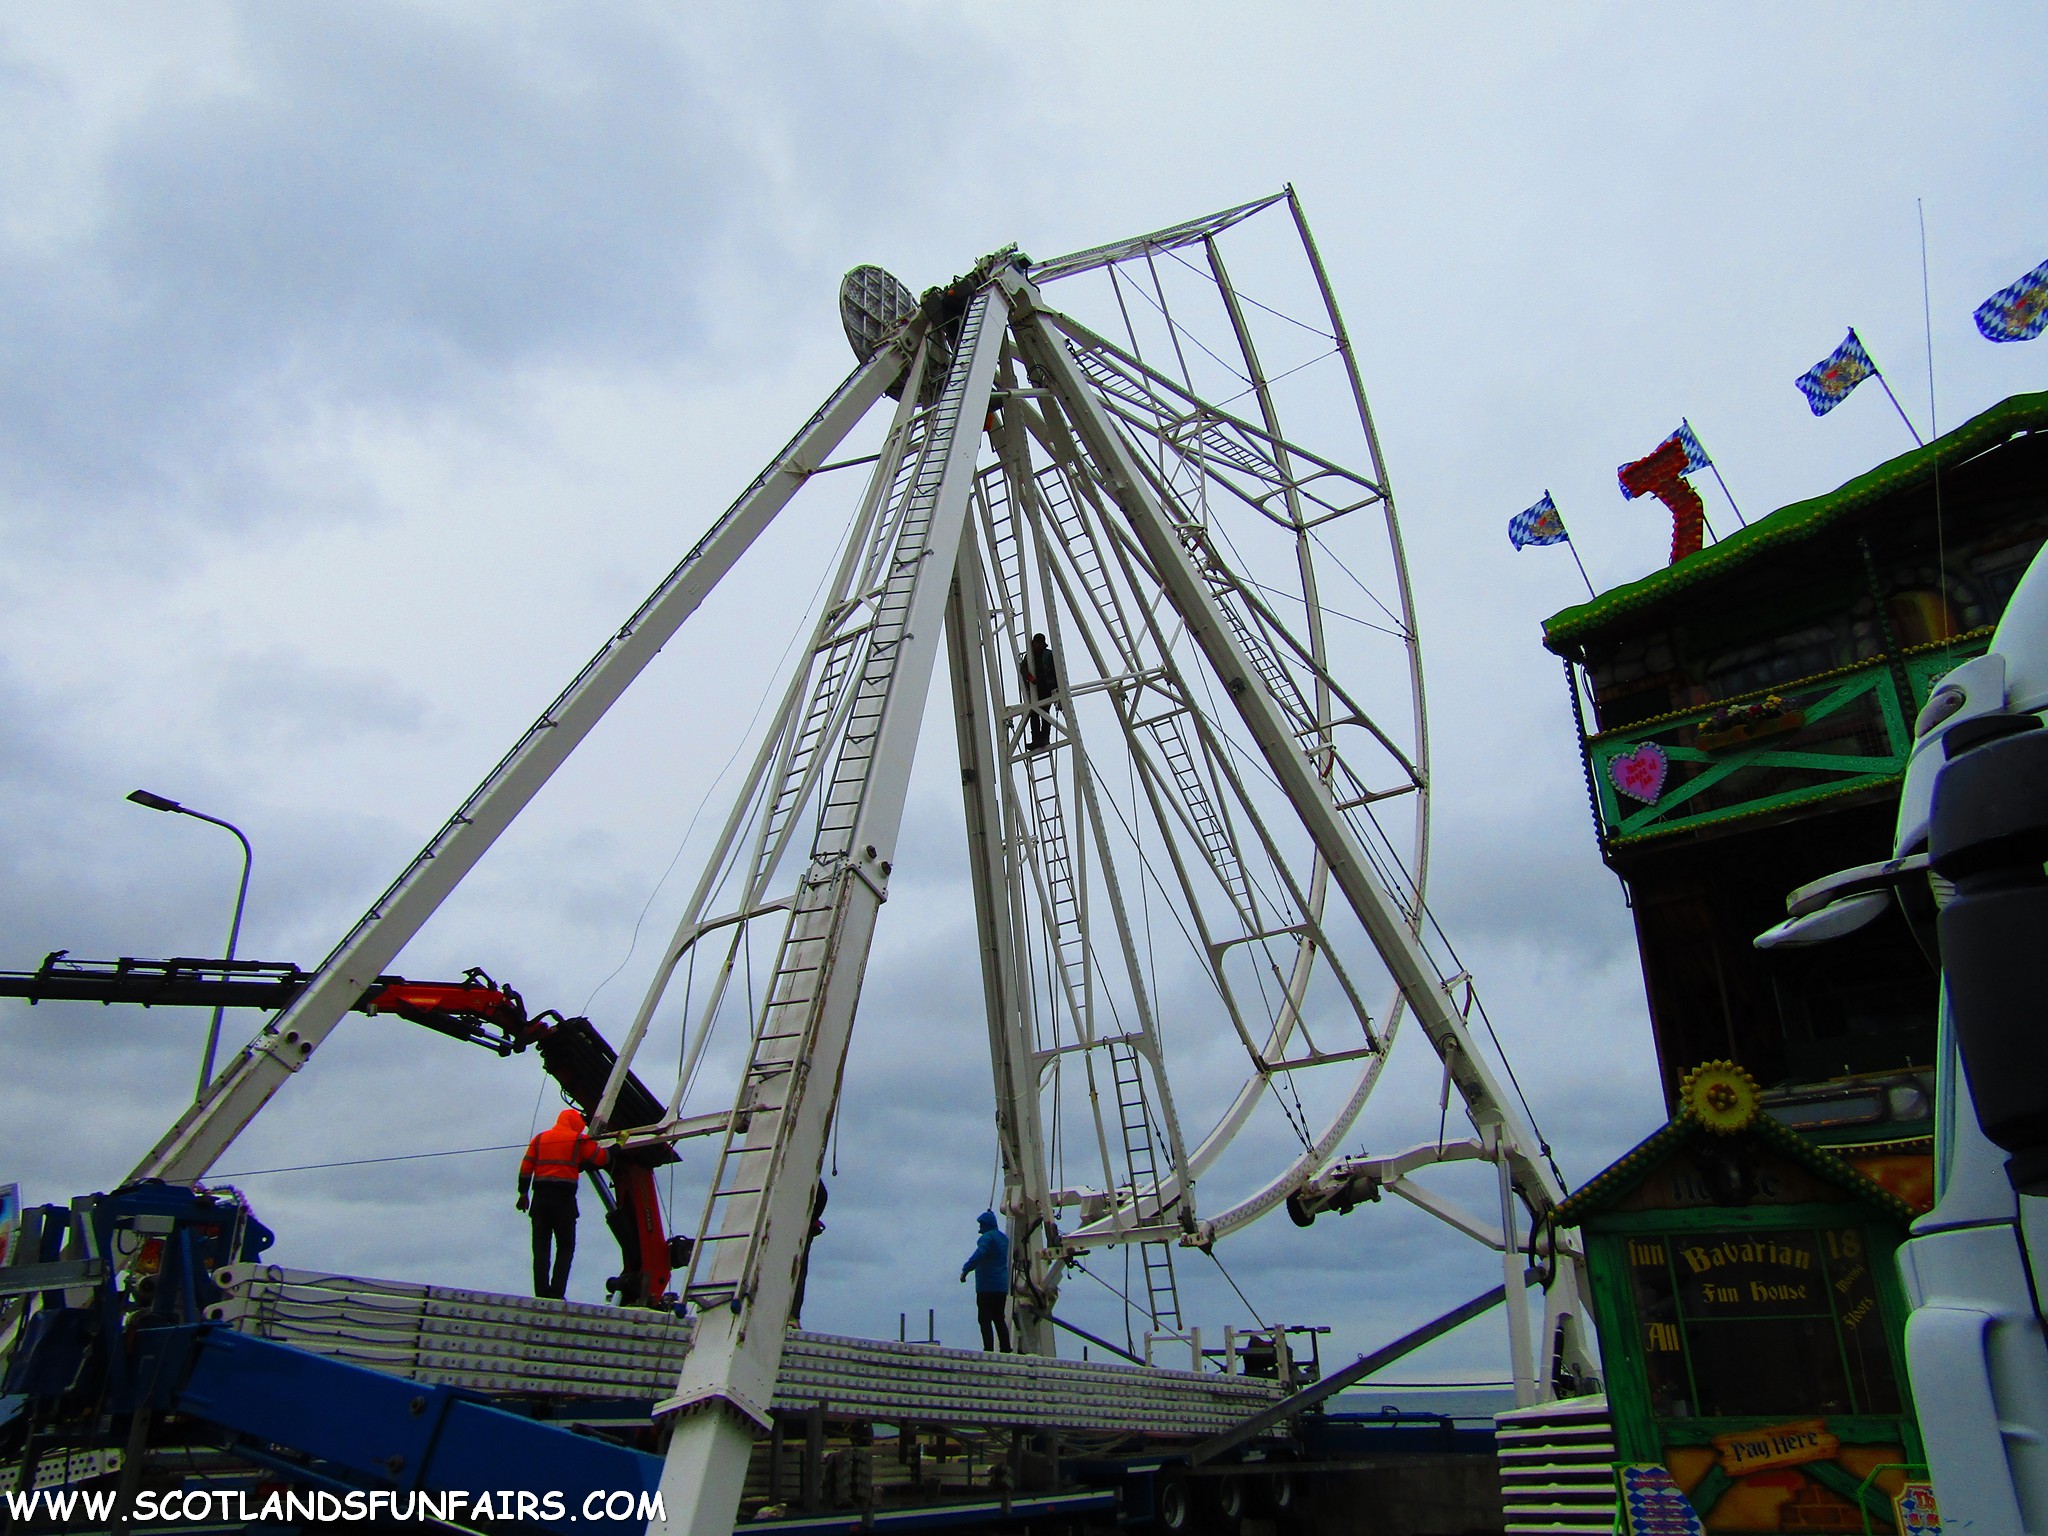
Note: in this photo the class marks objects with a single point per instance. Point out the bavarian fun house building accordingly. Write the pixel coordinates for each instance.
(1750, 1318)
(1745, 717)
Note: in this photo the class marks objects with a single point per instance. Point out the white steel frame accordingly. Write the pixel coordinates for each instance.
(1092, 523)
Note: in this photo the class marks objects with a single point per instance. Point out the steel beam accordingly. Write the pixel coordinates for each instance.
(729, 1377)
(239, 1093)
(1020, 1133)
(1124, 480)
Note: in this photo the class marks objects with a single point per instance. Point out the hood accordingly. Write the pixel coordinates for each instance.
(570, 1120)
(987, 1220)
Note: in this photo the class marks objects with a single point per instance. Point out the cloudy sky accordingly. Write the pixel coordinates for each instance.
(363, 368)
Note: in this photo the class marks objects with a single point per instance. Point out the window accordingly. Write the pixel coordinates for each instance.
(1761, 1323)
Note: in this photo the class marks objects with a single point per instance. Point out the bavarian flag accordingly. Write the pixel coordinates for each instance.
(2018, 312)
(1695, 455)
(1828, 382)
(1539, 525)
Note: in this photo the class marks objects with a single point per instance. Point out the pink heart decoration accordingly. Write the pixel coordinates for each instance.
(1640, 774)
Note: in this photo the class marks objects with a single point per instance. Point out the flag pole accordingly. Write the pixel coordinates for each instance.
(1918, 441)
(1716, 468)
(1885, 384)
(1574, 548)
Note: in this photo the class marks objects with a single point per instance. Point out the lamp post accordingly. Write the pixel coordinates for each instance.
(161, 803)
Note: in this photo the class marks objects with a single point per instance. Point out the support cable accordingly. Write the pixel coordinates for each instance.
(1178, 329)
(1247, 298)
(1372, 596)
(358, 1162)
(1211, 1251)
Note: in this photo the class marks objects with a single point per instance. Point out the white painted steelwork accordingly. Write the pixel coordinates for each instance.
(1200, 766)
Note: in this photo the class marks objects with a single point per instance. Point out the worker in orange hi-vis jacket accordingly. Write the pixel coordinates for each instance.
(555, 1160)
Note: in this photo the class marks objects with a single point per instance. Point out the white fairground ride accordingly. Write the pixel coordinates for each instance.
(1201, 845)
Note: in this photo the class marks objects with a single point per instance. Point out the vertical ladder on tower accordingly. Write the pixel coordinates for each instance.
(1070, 522)
(1251, 640)
(754, 1145)
(1179, 756)
(748, 1160)
(1168, 732)
(812, 733)
(1066, 917)
(1006, 554)
(1134, 1117)
(1162, 1296)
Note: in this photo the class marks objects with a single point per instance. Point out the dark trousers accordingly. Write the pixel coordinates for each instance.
(1040, 724)
(554, 1226)
(803, 1279)
(993, 1311)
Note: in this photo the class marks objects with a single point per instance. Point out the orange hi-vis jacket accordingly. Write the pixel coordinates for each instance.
(560, 1153)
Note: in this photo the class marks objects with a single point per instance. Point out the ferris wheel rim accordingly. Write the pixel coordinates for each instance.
(1319, 1147)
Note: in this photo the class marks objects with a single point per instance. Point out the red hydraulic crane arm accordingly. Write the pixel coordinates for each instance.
(475, 1009)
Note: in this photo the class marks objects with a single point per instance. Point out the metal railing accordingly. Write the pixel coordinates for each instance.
(1834, 733)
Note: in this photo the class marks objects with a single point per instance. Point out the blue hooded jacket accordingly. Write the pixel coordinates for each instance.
(990, 1260)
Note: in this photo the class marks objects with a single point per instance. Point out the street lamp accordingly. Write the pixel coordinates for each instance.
(162, 803)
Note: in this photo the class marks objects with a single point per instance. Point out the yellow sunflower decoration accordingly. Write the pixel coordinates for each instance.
(1720, 1095)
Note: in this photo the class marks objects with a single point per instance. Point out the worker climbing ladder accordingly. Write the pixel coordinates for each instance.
(1062, 882)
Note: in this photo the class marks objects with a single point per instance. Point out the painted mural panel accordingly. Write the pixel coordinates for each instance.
(1779, 1331)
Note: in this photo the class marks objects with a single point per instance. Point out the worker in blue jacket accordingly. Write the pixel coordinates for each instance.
(990, 1266)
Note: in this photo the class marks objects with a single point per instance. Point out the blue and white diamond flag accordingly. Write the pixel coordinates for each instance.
(1539, 525)
(2018, 311)
(1828, 382)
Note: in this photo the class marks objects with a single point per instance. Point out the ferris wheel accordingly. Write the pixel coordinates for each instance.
(1141, 513)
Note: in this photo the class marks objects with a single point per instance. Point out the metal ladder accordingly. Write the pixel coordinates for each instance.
(1197, 434)
(1217, 843)
(1252, 641)
(1062, 893)
(1005, 548)
(750, 1158)
(810, 737)
(1063, 896)
(1167, 732)
(1070, 521)
(1162, 1296)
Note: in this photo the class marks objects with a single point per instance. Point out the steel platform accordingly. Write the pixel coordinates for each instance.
(523, 1345)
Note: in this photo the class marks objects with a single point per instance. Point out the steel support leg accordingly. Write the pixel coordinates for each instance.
(969, 649)
(1521, 1359)
(760, 1209)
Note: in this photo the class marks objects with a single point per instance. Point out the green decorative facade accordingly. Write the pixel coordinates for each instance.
(1751, 1325)
(1745, 717)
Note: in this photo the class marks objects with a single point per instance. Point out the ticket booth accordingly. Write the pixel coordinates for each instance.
(1751, 1322)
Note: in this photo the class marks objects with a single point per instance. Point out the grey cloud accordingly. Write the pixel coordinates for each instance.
(394, 205)
(279, 694)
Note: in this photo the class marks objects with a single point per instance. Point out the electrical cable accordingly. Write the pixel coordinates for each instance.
(358, 1162)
